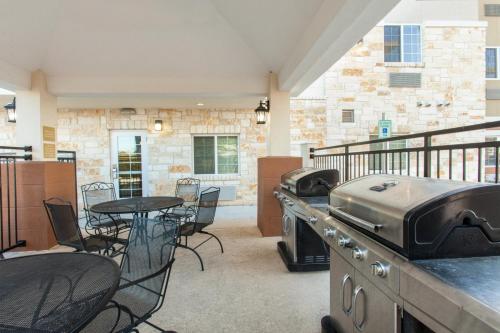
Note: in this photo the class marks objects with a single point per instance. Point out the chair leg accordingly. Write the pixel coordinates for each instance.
(194, 251)
(218, 240)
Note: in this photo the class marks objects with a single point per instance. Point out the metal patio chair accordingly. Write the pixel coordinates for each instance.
(145, 272)
(64, 223)
(93, 194)
(189, 190)
(202, 216)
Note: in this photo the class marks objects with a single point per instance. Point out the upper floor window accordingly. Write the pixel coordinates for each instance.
(492, 62)
(348, 116)
(402, 43)
(216, 154)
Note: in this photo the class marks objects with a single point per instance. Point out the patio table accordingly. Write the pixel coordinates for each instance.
(54, 292)
(137, 205)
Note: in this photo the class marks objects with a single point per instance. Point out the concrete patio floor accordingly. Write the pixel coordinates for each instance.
(246, 289)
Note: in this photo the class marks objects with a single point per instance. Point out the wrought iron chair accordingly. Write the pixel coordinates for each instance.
(95, 193)
(203, 216)
(145, 272)
(189, 190)
(67, 231)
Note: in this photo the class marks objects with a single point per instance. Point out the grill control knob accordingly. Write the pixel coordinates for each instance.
(276, 194)
(290, 203)
(379, 269)
(313, 219)
(329, 232)
(344, 242)
(358, 254)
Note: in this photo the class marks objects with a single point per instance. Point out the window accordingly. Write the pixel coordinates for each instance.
(402, 43)
(347, 116)
(217, 154)
(492, 62)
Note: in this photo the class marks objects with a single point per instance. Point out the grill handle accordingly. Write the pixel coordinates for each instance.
(355, 220)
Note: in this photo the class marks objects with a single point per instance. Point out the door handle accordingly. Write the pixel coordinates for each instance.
(346, 278)
(358, 324)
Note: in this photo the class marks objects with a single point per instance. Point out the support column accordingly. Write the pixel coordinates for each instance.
(36, 110)
(279, 119)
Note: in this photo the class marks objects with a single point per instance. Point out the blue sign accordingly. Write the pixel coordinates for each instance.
(384, 129)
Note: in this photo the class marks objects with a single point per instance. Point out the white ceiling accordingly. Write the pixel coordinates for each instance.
(172, 48)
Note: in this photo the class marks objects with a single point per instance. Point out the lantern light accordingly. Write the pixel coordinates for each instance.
(262, 110)
(11, 111)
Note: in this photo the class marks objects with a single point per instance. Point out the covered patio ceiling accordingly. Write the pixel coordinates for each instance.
(177, 50)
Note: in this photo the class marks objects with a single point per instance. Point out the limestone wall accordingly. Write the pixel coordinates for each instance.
(169, 151)
(452, 70)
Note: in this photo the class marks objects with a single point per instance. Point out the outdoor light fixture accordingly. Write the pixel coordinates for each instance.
(11, 111)
(262, 111)
(158, 125)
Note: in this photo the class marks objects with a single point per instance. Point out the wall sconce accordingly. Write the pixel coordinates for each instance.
(262, 111)
(427, 104)
(11, 111)
(420, 103)
(158, 125)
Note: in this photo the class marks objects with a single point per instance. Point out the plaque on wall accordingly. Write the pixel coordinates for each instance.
(49, 150)
(49, 134)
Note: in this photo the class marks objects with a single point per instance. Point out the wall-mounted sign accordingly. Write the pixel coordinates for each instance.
(384, 129)
(49, 134)
(49, 150)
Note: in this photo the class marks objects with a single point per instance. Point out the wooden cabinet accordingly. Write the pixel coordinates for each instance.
(269, 174)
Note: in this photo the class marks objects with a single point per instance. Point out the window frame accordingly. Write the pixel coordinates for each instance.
(216, 155)
(402, 46)
(497, 49)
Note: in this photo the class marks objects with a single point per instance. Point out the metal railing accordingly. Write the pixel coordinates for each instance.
(69, 156)
(443, 153)
(9, 237)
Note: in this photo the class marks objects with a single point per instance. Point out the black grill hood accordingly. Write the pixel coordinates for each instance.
(310, 182)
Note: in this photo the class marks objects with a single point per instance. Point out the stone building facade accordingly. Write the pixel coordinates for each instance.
(451, 72)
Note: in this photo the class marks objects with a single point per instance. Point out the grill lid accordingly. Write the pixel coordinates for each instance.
(408, 212)
(309, 182)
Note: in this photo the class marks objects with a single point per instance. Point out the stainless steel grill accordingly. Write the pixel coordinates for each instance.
(421, 217)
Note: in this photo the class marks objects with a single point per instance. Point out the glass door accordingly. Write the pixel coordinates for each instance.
(129, 163)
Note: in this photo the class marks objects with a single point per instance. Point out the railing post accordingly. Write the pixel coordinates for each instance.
(427, 156)
(346, 163)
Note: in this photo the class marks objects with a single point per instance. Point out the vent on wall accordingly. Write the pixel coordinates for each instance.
(491, 10)
(405, 80)
(227, 192)
(493, 94)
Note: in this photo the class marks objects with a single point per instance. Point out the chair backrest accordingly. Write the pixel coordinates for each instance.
(64, 223)
(146, 264)
(95, 193)
(188, 189)
(207, 205)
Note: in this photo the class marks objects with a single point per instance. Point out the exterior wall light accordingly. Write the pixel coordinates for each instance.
(262, 111)
(158, 125)
(11, 111)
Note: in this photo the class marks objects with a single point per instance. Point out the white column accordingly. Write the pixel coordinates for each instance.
(35, 109)
(279, 119)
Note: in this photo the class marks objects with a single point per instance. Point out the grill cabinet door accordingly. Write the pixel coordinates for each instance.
(372, 310)
(341, 288)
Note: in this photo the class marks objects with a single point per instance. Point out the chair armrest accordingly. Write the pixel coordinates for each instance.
(136, 282)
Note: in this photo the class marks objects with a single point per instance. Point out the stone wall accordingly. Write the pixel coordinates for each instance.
(169, 151)
(452, 70)
(307, 123)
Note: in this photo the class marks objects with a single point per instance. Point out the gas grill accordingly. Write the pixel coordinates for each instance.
(422, 218)
(383, 230)
(301, 248)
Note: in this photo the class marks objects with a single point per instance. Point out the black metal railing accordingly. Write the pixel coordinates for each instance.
(69, 156)
(447, 153)
(9, 156)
